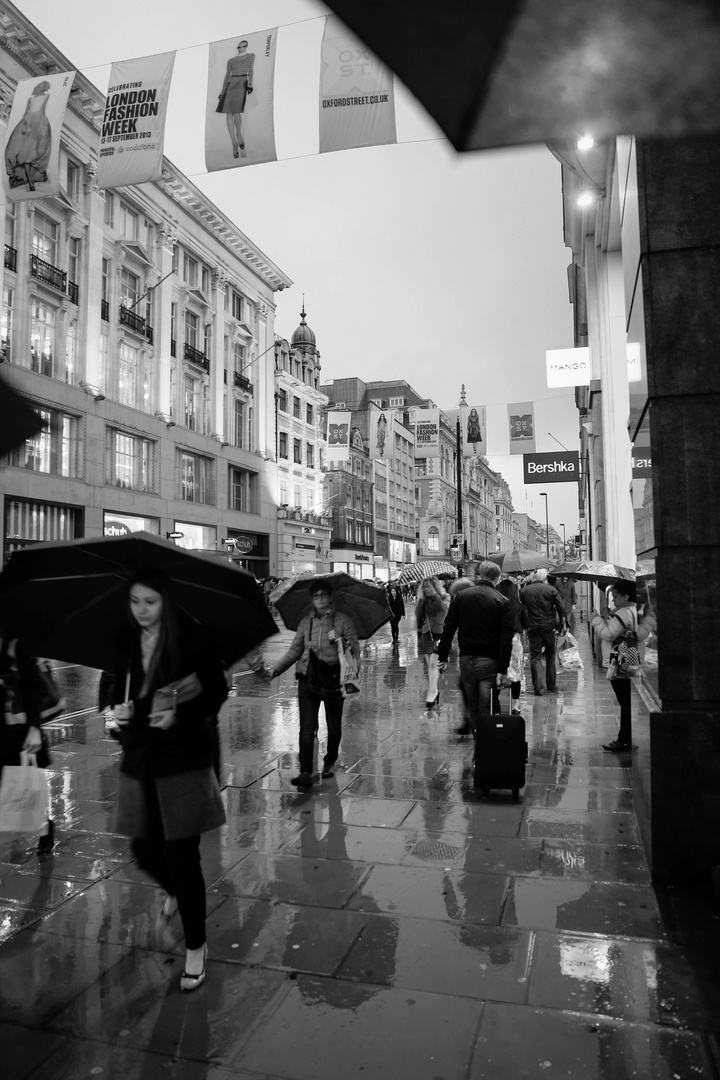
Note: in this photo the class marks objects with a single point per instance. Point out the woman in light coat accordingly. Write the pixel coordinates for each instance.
(430, 612)
(609, 628)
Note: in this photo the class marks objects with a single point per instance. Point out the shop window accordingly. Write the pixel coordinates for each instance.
(128, 461)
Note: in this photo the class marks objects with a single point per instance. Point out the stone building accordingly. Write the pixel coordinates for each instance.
(139, 322)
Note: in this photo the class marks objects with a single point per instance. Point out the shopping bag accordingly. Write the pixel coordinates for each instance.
(23, 796)
(349, 670)
(517, 661)
(569, 654)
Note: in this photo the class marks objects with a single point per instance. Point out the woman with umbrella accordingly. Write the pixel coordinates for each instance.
(610, 628)
(315, 650)
(430, 612)
(169, 682)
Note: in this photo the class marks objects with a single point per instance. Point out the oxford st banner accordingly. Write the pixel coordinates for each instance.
(521, 421)
(132, 135)
(357, 100)
(239, 123)
(32, 145)
(338, 436)
(473, 430)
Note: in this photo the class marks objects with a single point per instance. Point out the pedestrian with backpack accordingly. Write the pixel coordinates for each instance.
(622, 631)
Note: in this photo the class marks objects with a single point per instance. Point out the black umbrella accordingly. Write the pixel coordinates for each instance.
(68, 599)
(17, 420)
(364, 603)
(526, 71)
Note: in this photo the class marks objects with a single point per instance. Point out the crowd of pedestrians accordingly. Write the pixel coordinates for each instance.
(169, 683)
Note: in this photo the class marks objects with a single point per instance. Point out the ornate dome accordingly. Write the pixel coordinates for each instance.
(303, 335)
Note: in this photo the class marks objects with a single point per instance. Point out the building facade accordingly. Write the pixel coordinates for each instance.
(304, 522)
(139, 323)
(349, 493)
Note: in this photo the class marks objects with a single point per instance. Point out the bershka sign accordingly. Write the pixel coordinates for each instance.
(554, 468)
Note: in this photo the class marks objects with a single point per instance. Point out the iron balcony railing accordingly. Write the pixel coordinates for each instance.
(73, 292)
(132, 320)
(105, 310)
(10, 258)
(196, 357)
(49, 275)
(173, 347)
(241, 382)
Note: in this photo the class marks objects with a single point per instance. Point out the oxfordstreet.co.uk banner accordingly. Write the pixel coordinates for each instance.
(357, 100)
(32, 145)
(239, 121)
(132, 135)
(338, 436)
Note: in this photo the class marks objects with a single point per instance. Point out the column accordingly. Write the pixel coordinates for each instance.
(679, 202)
(163, 318)
(221, 421)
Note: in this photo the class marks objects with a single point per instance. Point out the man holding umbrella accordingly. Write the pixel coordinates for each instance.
(315, 650)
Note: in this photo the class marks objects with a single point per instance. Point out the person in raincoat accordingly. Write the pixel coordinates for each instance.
(397, 606)
(168, 684)
(315, 651)
(430, 611)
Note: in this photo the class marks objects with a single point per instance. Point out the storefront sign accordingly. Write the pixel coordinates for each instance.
(115, 528)
(553, 468)
(568, 367)
(244, 543)
(641, 462)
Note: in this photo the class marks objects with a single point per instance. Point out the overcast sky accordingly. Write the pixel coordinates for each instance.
(416, 262)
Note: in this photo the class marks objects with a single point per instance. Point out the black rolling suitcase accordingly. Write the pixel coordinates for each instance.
(500, 753)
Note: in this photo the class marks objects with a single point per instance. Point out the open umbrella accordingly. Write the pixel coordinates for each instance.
(526, 71)
(603, 573)
(68, 598)
(520, 562)
(366, 604)
(18, 421)
(421, 570)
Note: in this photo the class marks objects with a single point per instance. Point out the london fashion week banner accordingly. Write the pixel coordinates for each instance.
(133, 124)
(357, 101)
(239, 122)
(32, 145)
(427, 433)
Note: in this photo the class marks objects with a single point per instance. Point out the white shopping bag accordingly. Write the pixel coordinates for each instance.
(23, 796)
(569, 654)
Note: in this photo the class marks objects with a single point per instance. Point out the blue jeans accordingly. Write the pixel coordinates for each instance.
(539, 640)
(477, 674)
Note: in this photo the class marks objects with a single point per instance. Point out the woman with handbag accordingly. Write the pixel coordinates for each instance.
(610, 629)
(430, 612)
(168, 682)
(28, 699)
(315, 650)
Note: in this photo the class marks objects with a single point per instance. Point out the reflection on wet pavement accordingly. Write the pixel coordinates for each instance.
(385, 923)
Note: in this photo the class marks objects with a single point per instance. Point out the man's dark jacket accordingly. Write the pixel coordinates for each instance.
(484, 621)
(541, 602)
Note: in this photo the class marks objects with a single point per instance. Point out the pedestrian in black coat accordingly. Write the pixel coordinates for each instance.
(397, 606)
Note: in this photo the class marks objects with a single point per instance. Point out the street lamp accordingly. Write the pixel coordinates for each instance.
(543, 495)
(562, 526)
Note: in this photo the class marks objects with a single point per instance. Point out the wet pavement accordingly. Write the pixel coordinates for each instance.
(388, 923)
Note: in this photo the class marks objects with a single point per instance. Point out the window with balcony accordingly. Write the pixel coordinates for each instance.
(74, 246)
(72, 180)
(196, 404)
(296, 408)
(190, 269)
(42, 337)
(239, 424)
(6, 349)
(54, 450)
(128, 222)
(127, 375)
(243, 491)
(195, 478)
(45, 238)
(283, 444)
(128, 461)
(297, 452)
